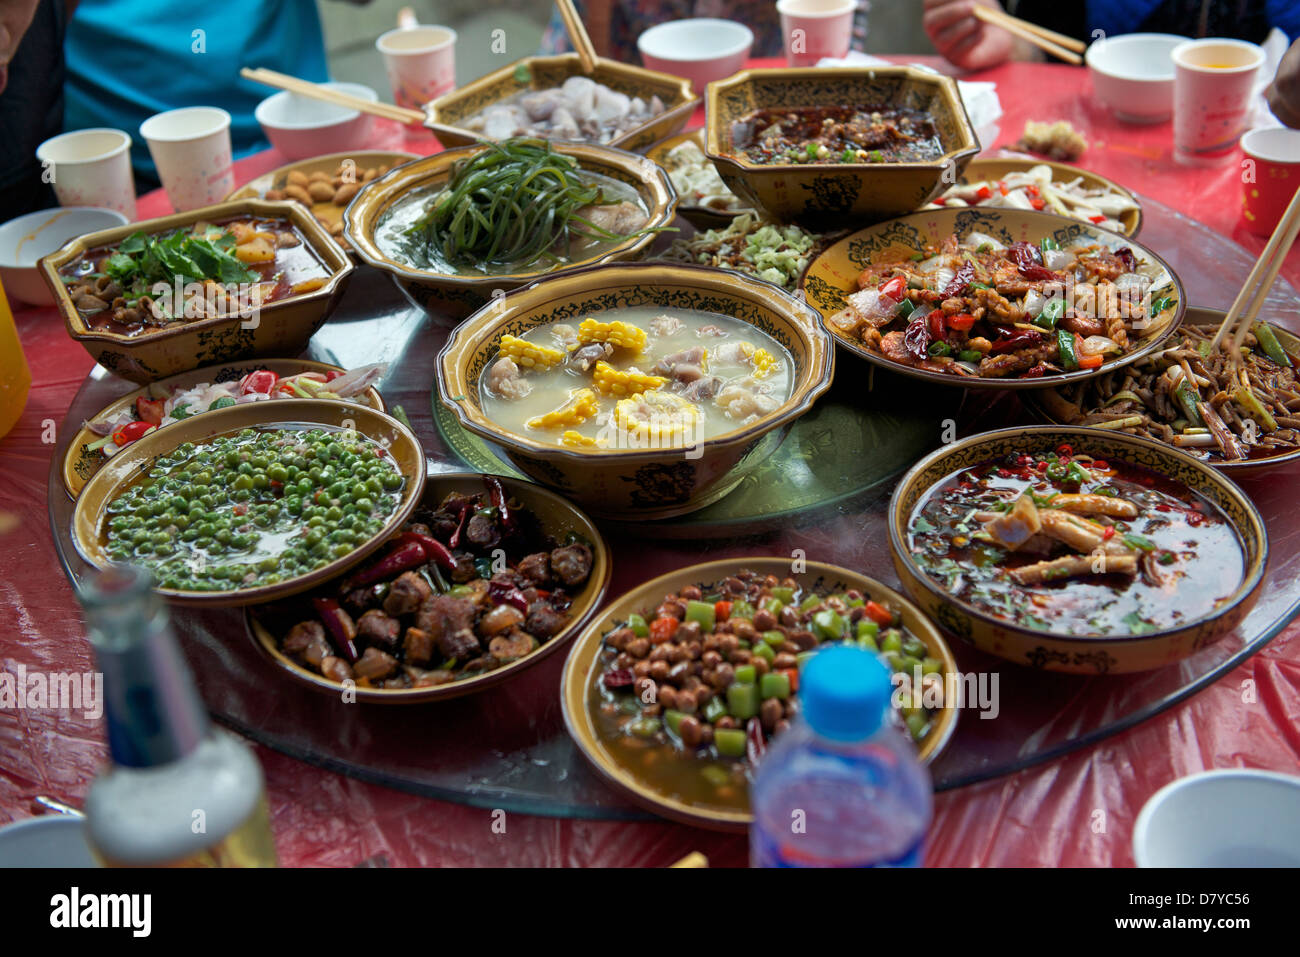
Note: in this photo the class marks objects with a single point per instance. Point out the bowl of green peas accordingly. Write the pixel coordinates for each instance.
(252, 502)
(676, 690)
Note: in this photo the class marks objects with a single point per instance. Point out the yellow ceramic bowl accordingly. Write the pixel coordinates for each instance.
(80, 463)
(832, 276)
(1070, 653)
(582, 670)
(701, 217)
(1060, 406)
(447, 113)
(997, 167)
(638, 483)
(834, 195)
(557, 517)
(459, 293)
(90, 515)
(282, 328)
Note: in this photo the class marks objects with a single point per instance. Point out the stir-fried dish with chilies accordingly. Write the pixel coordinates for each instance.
(1071, 544)
(689, 694)
(1198, 397)
(836, 134)
(976, 308)
(441, 604)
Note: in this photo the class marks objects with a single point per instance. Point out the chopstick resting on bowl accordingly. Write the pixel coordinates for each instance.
(1255, 289)
(293, 84)
(1057, 44)
(578, 34)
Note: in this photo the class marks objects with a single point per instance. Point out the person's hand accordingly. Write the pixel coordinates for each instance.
(1283, 94)
(961, 38)
(15, 18)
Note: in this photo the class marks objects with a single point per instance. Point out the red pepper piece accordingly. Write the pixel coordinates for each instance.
(262, 382)
(434, 550)
(405, 556)
(454, 541)
(960, 281)
(962, 322)
(895, 288)
(497, 496)
(1019, 338)
(618, 678)
(126, 434)
(503, 593)
(937, 321)
(149, 410)
(916, 338)
(339, 624)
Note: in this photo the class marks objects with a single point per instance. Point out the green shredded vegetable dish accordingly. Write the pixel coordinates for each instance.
(774, 253)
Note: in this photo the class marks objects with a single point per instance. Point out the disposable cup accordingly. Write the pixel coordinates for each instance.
(421, 63)
(812, 29)
(191, 148)
(91, 168)
(1213, 84)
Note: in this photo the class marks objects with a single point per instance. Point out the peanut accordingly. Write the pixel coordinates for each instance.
(297, 192)
(321, 191)
(345, 193)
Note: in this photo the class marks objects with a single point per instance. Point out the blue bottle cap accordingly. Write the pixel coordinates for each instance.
(843, 693)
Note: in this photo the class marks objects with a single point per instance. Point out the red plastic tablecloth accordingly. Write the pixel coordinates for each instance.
(1076, 811)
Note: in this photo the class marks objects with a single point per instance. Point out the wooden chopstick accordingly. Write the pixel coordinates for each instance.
(1060, 39)
(1014, 26)
(1254, 291)
(578, 34)
(293, 84)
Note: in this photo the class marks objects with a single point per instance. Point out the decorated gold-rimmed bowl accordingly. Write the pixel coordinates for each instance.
(581, 697)
(638, 483)
(91, 518)
(81, 462)
(698, 215)
(1062, 406)
(268, 623)
(1052, 650)
(983, 168)
(831, 277)
(446, 114)
(459, 293)
(280, 328)
(833, 195)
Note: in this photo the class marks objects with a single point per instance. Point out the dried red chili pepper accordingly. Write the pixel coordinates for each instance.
(916, 338)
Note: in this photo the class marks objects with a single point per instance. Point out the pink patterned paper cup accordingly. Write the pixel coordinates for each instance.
(191, 148)
(421, 63)
(1213, 83)
(812, 29)
(91, 168)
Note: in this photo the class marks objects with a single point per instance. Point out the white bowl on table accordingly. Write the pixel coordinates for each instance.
(301, 127)
(702, 49)
(57, 840)
(1133, 74)
(1228, 818)
(26, 239)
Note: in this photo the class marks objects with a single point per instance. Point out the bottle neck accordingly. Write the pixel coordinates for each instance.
(152, 710)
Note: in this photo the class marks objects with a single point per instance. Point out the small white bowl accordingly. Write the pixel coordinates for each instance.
(1133, 74)
(702, 50)
(57, 840)
(1230, 818)
(301, 127)
(26, 239)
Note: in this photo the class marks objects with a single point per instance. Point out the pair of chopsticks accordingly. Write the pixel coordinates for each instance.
(283, 81)
(1049, 41)
(578, 35)
(1241, 317)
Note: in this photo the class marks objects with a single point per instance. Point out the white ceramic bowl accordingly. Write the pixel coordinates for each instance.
(1133, 74)
(26, 239)
(57, 840)
(300, 127)
(701, 50)
(1230, 818)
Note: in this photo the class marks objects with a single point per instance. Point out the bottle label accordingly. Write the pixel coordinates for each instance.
(766, 851)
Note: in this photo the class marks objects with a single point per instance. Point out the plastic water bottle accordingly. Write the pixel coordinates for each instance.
(842, 786)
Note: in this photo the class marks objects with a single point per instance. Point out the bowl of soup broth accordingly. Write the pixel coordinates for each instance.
(236, 280)
(637, 389)
(456, 227)
(1075, 549)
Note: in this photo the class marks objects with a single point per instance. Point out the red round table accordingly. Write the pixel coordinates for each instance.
(1078, 810)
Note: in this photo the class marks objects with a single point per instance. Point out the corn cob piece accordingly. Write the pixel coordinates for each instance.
(577, 440)
(580, 407)
(613, 381)
(764, 363)
(529, 355)
(622, 335)
(656, 419)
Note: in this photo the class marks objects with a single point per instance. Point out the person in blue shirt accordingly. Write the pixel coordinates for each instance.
(129, 59)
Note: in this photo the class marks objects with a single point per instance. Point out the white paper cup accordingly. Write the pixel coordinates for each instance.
(191, 148)
(1231, 818)
(91, 168)
(421, 63)
(1213, 84)
(812, 29)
